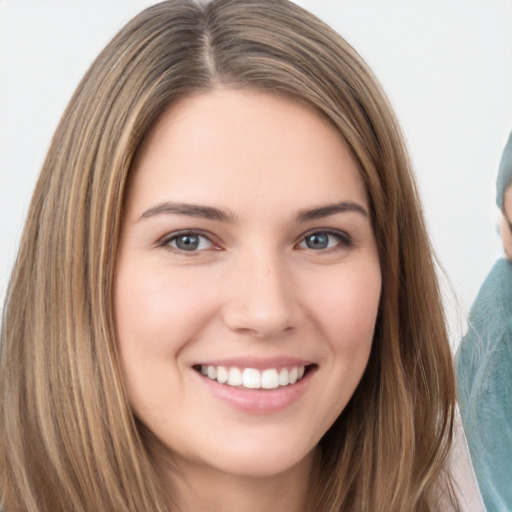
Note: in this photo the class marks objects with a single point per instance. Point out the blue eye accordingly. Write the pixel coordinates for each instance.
(188, 242)
(322, 240)
(317, 241)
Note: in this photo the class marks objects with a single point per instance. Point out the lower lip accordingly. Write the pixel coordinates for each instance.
(261, 401)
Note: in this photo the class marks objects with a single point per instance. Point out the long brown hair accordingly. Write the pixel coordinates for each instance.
(68, 439)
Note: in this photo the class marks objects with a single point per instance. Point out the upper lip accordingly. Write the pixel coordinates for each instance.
(257, 363)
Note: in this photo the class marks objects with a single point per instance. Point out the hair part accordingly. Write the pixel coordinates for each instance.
(68, 438)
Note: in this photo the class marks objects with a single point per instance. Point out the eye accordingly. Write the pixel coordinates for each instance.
(324, 240)
(187, 241)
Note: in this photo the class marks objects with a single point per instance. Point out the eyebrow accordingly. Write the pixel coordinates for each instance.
(211, 213)
(331, 209)
(191, 210)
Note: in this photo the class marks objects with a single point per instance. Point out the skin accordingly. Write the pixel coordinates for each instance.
(506, 222)
(256, 290)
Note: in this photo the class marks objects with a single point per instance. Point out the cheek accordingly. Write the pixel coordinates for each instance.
(157, 311)
(345, 315)
(347, 309)
(157, 315)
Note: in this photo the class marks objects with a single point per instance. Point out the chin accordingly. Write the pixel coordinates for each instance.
(265, 467)
(257, 462)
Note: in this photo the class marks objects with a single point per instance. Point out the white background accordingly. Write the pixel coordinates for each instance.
(446, 65)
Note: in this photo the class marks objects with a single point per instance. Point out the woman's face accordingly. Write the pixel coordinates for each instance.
(247, 282)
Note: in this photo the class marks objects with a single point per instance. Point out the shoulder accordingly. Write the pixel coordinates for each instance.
(496, 290)
(490, 318)
(484, 357)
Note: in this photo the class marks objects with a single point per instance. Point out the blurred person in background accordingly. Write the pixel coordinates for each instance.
(484, 364)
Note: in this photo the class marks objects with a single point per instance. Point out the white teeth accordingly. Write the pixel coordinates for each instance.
(269, 379)
(222, 374)
(251, 378)
(235, 377)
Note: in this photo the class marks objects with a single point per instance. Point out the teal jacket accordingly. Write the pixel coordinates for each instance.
(484, 373)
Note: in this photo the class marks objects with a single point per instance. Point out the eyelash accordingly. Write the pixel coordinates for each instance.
(167, 240)
(344, 241)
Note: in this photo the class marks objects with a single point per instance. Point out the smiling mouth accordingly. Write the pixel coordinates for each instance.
(252, 378)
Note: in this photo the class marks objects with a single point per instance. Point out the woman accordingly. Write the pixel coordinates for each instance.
(484, 364)
(224, 297)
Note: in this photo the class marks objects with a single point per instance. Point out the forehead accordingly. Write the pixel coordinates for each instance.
(226, 144)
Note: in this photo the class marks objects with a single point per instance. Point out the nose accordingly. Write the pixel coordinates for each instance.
(262, 298)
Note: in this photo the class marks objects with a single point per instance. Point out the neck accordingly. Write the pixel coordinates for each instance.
(197, 487)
